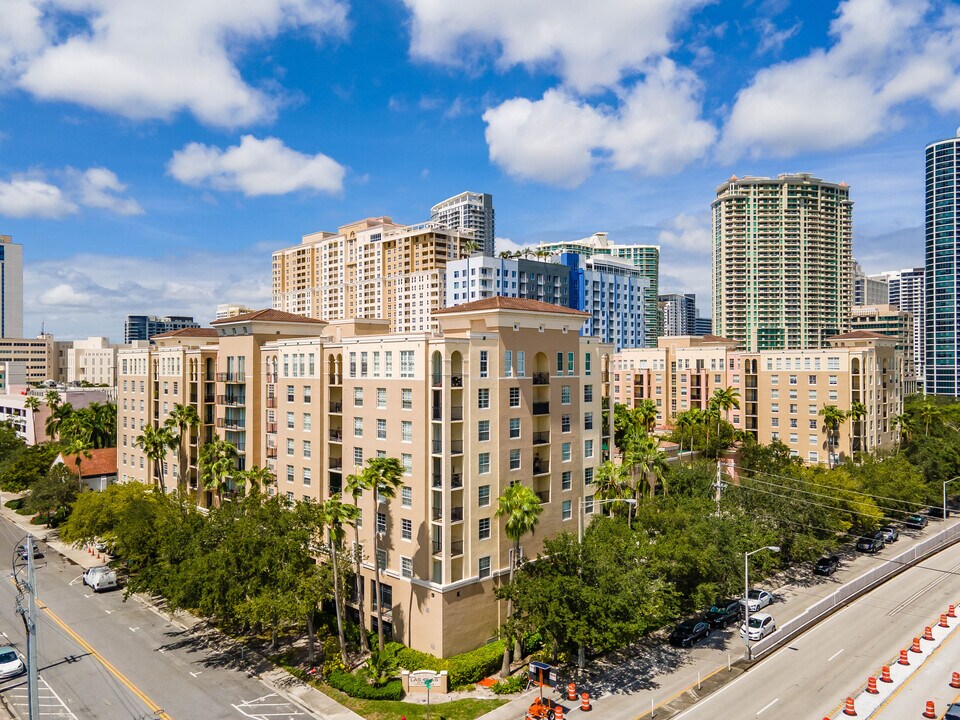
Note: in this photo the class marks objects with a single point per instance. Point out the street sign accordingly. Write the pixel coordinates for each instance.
(428, 682)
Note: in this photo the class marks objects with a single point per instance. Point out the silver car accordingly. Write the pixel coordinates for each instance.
(758, 599)
(11, 664)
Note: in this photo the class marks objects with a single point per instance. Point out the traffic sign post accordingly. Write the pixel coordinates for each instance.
(428, 682)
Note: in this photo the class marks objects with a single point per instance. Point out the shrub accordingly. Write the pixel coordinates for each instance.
(463, 669)
(358, 688)
(511, 685)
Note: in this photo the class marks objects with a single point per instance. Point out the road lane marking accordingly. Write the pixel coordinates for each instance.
(767, 707)
(133, 629)
(156, 709)
(835, 654)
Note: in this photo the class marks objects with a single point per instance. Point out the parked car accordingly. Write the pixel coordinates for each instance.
(100, 578)
(890, 534)
(937, 512)
(916, 522)
(22, 550)
(953, 712)
(761, 625)
(870, 544)
(689, 632)
(826, 566)
(11, 664)
(723, 613)
(758, 599)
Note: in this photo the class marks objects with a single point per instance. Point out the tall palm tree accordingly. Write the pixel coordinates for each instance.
(217, 463)
(80, 447)
(335, 515)
(470, 246)
(52, 399)
(384, 475)
(610, 482)
(59, 412)
(521, 507)
(32, 403)
(856, 413)
(646, 460)
(833, 418)
(256, 478)
(927, 413)
(646, 414)
(182, 418)
(725, 399)
(684, 422)
(905, 426)
(355, 485)
(155, 442)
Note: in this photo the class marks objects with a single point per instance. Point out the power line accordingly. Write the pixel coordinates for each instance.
(806, 502)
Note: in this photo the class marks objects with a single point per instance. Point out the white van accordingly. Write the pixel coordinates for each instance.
(100, 578)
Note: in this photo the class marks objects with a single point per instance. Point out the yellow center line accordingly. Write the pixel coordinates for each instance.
(156, 709)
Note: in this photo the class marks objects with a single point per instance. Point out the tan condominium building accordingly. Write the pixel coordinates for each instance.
(38, 356)
(899, 324)
(782, 392)
(507, 391)
(782, 261)
(374, 268)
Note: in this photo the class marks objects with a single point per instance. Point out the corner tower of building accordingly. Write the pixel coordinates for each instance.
(11, 288)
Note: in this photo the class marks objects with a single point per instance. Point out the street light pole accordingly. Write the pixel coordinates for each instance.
(746, 595)
(945, 494)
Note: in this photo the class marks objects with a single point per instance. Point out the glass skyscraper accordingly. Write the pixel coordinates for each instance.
(942, 277)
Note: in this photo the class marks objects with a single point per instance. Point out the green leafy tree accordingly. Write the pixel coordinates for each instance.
(78, 448)
(54, 492)
(256, 479)
(59, 414)
(52, 399)
(646, 463)
(181, 422)
(725, 400)
(26, 466)
(521, 508)
(155, 443)
(646, 414)
(217, 464)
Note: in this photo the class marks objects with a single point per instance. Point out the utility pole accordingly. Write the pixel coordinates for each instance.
(29, 616)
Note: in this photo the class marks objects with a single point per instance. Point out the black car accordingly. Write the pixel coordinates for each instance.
(22, 551)
(723, 613)
(826, 566)
(870, 544)
(689, 632)
(917, 522)
(937, 512)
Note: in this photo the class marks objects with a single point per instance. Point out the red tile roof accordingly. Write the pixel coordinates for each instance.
(509, 303)
(269, 315)
(861, 335)
(101, 462)
(187, 332)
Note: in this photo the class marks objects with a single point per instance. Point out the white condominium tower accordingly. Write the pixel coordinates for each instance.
(11, 288)
(470, 211)
(782, 261)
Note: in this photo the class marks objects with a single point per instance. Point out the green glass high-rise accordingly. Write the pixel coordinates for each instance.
(942, 277)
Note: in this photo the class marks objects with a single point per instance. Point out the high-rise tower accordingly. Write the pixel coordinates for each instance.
(782, 261)
(471, 211)
(942, 278)
(11, 288)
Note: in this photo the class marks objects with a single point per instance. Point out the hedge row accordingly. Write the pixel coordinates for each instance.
(464, 669)
(358, 688)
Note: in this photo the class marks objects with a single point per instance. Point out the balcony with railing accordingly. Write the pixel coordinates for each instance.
(456, 381)
(437, 447)
(231, 377)
(541, 438)
(437, 513)
(336, 435)
(456, 413)
(540, 467)
(437, 413)
(456, 481)
(336, 407)
(541, 378)
(437, 480)
(437, 546)
(232, 400)
(456, 548)
(336, 379)
(272, 402)
(437, 380)
(231, 423)
(271, 427)
(336, 463)
(541, 408)
(543, 496)
(456, 447)
(456, 514)
(271, 452)
(209, 398)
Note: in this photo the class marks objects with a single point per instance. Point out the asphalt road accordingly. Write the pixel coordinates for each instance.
(810, 676)
(101, 657)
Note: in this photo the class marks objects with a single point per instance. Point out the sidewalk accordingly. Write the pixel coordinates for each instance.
(277, 679)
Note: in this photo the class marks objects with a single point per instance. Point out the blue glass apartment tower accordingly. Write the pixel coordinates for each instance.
(942, 277)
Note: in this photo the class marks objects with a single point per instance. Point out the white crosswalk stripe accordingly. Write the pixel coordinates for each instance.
(51, 705)
(270, 707)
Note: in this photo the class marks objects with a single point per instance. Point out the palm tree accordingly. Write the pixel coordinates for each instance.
(384, 475)
(646, 414)
(52, 399)
(58, 415)
(725, 400)
(181, 419)
(335, 515)
(611, 483)
(927, 413)
(471, 246)
(833, 417)
(355, 486)
(80, 447)
(257, 478)
(32, 403)
(521, 507)
(906, 428)
(857, 412)
(645, 459)
(684, 423)
(217, 463)
(155, 443)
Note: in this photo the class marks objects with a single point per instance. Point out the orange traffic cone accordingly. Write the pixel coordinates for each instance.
(916, 646)
(98, 554)
(848, 708)
(572, 692)
(885, 674)
(903, 658)
(955, 680)
(89, 550)
(872, 685)
(928, 633)
(943, 621)
(585, 705)
(557, 712)
(931, 711)
(952, 611)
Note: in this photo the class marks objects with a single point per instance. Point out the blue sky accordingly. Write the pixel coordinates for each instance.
(152, 154)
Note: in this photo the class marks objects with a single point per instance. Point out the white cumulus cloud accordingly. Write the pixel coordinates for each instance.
(100, 188)
(22, 197)
(256, 167)
(884, 53)
(590, 44)
(154, 58)
(34, 194)
(559, 139)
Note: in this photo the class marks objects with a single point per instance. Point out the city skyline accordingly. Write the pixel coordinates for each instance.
(123, 191)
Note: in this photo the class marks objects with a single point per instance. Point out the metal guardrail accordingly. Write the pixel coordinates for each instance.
(854, 589)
